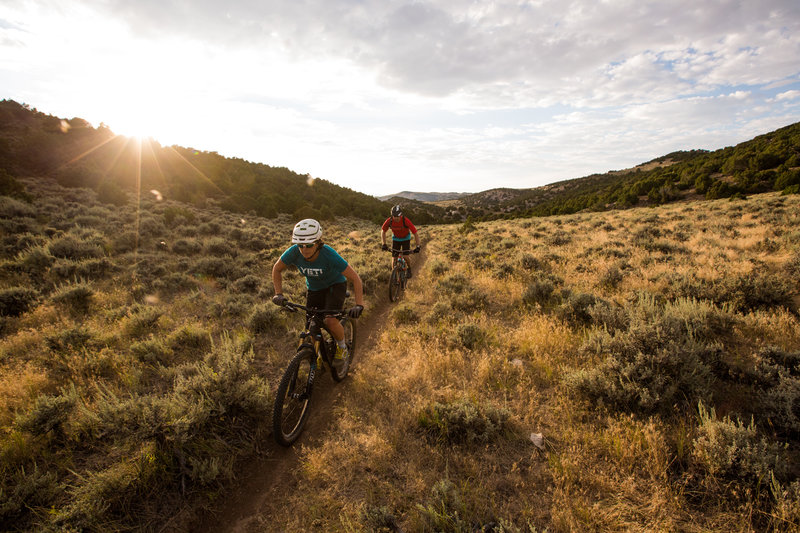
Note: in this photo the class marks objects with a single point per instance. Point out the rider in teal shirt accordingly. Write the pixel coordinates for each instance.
(326, 274)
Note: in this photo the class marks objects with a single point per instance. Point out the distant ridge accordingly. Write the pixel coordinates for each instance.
(425, 196)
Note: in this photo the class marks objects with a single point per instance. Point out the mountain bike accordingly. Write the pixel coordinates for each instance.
(293, 397)
(399, 277)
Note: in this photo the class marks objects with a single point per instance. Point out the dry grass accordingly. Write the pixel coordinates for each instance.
(562, 326)
(603, 468)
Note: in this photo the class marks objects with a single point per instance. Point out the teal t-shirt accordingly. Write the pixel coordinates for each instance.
(321, 273)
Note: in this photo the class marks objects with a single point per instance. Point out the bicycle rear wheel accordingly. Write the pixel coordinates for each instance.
(293, 397)
(394, 285)
(340, 367)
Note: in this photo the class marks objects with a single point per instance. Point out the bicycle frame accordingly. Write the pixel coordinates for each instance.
(314, 325)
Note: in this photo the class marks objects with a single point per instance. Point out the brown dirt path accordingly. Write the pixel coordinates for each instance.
(271, 475)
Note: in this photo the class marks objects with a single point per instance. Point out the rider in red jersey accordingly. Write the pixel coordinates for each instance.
(402, 229)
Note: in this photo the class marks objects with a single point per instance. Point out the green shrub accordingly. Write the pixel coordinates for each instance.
(152, 227)
(530, 262)
(439, 311)
(732, 450)
(249, 284)
(438, 267)
(786, 510)
(405, 314)
(174, 282)
(577, 308)
(559, 238)
(152, 351)
(69, 247)
(16, 300)
(219, 247)
(610, 316)
(379, 519)
(35, 261)
(611, 278)
(186, 247)
(664, 358)
(127, 241)
(233, 305)
(749, 292)
(503, 271)
(265, 318)
(213, 415)
(22, 489)
(541, 290)
(463, 422)
(110, 193)
(12, 208)
(777, 384)
(469, 301)
(190, 340)
(212, 266)
(141, 321)
(467, 227)
(49, 413)
(75, 297)
(69, 339)
(453, 284)
(445, 511)
(88, 269)
(470, 336)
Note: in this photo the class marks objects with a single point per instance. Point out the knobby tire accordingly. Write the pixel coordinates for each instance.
(293, 398)
(395, 285)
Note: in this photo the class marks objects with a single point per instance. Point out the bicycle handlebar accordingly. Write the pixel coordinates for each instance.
(293, 307)
(404, 252)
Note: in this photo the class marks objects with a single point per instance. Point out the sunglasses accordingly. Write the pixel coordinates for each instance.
(310, 245)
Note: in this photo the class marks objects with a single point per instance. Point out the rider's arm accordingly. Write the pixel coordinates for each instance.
(277, 280)
(358, 288)
(383, 236)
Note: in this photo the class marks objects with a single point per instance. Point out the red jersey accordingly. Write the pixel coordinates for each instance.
(400, 229)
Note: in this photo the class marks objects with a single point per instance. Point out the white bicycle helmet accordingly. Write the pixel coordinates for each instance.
(306, 231)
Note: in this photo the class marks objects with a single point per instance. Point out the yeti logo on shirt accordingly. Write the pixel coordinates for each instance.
(311, 272)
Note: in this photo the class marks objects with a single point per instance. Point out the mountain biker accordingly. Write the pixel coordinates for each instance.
(326, 274)
(402, 229)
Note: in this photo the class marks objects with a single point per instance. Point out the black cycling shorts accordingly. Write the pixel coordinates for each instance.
(400, 245)
(331, 298)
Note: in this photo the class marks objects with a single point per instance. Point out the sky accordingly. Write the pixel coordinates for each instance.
(383, 96)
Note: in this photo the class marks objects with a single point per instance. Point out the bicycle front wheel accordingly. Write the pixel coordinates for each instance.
(340, 367)
(395, 285)
(293, 397)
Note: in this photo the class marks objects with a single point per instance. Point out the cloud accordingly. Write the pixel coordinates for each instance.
(788, 95)
(530, 90)
(442, 47)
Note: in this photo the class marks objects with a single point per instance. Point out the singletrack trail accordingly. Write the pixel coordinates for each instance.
(270, 476)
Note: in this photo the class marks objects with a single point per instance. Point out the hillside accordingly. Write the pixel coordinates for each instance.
(430, 197)
(75, 154)
(770, 162)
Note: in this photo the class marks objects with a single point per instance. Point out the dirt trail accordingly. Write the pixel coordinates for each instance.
(272, 475)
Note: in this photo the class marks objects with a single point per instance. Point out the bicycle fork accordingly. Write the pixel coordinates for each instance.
(312, 372)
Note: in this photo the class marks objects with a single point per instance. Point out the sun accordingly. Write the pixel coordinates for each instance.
(134, 119)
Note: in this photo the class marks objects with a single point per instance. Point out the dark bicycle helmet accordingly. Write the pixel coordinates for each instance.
(396, 211)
